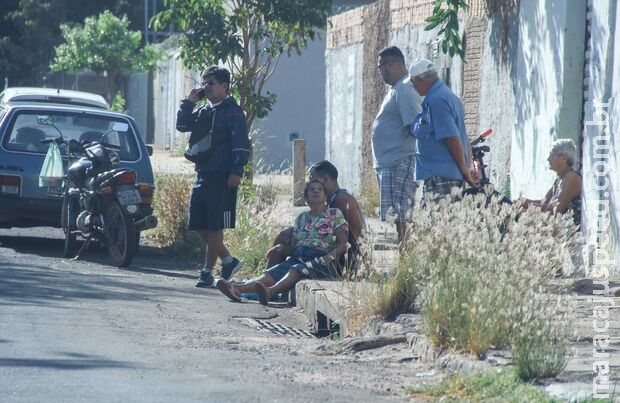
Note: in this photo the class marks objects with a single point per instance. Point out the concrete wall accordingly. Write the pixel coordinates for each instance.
(343, 145)
(601, 137)
(497, 101)
(299, 82)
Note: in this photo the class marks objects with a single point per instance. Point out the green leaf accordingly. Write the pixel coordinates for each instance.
(445, 14)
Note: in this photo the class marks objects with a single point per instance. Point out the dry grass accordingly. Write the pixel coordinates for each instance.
(171, 207)
(368, 200)
(256, 226)
(249, 241)
(476, 272)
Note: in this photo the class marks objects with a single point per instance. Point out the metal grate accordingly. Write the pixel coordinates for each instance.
(275, 328)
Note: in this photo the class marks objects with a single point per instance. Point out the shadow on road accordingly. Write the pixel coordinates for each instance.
(39, 285)
(151, 260)
(71, 364)
(33, 272)
(33, 245)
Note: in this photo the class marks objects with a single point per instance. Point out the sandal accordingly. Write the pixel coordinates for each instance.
(263, 294)
(226, 289)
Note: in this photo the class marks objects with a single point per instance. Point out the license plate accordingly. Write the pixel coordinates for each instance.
(127, 197)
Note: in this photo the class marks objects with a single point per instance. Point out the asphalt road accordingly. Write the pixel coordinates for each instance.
(83, 331)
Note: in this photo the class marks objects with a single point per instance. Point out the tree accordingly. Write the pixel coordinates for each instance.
(104, 45)
(249, 36)
(445, 15)
(30, 30)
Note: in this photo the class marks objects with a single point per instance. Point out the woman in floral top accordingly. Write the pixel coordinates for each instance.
(319, 239)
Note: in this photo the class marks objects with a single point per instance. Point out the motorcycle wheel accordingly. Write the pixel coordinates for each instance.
(68, 217)
(137, 242)
(120, 234)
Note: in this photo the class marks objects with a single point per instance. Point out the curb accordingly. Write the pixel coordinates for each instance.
(324, 304)
(449, 361)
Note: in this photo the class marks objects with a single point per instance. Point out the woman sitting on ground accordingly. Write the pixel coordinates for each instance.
(565, 193)
(319, 239)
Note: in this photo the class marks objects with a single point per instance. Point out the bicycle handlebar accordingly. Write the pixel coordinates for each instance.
(482, 137)
(486, 133)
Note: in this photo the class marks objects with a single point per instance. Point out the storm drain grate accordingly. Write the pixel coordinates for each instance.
(275, 328)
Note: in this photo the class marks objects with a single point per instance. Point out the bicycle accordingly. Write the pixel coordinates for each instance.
(478, 153)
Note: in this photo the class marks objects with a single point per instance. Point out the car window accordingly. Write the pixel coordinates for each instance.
(27, 130)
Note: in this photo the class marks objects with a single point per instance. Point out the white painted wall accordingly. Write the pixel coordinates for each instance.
(343, 125)
(299, 82)
(538, 87)
(603, 191)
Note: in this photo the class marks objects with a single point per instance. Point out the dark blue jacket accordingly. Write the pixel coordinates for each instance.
(230, 147)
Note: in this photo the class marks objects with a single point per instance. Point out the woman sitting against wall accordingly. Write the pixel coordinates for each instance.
(565, 193)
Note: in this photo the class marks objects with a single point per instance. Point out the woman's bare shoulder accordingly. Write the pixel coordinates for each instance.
(572, 177)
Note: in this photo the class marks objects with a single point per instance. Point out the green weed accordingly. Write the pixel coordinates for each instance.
(499, 386)
(256, 226)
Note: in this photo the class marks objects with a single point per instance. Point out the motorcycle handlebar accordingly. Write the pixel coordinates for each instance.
(77, 145)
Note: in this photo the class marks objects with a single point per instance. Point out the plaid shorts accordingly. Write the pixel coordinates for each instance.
(438, 187)
(397, 188)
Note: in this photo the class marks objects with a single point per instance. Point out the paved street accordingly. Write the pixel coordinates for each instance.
(73, 331)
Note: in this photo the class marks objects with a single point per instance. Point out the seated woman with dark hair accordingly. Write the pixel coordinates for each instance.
(319, 239)
(565, 193)
(325, 172)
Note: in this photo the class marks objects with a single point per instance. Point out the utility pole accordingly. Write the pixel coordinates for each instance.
(146, 22)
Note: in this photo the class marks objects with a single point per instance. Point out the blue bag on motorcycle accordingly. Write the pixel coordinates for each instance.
(52, 172)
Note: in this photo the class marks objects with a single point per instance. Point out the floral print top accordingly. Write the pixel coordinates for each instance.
(318, 232)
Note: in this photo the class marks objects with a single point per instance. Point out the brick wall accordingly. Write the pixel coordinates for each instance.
(412, 12)
(474, 35)
(373, 24)
(345, 28)
(376, 37)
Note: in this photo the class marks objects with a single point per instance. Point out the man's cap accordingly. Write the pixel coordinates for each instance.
(420, 66)
(221, 74)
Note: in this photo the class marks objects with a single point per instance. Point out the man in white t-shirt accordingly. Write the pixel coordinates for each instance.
(393, 146)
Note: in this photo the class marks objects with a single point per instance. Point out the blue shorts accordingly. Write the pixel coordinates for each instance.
(213, 204)
(297, 261)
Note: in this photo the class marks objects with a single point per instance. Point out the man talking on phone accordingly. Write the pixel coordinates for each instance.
(219, 147)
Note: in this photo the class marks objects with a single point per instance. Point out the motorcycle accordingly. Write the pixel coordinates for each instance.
(101, 201)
